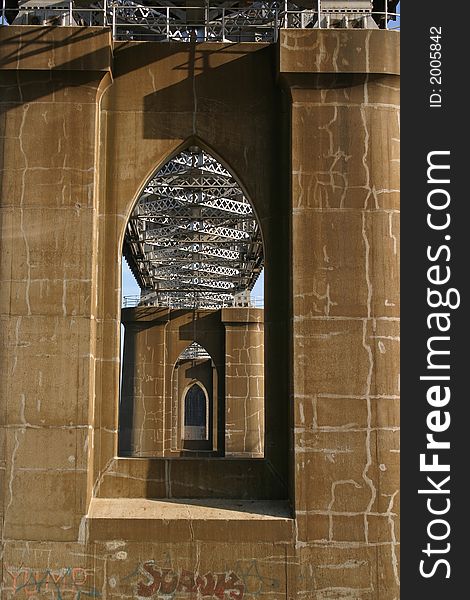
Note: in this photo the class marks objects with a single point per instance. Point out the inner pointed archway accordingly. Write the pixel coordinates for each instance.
(196, 407)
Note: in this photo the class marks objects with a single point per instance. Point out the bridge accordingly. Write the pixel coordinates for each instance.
(195, 443)
(224, 21)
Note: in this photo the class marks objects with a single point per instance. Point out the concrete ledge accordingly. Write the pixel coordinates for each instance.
(242, 315)
(339, 51)
(183, 520)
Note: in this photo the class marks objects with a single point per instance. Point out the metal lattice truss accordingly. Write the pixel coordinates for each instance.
(201, 20)
(198, 20)
(194, 352)
(193, 240)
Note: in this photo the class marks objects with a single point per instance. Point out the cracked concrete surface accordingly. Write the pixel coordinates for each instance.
(81, 131)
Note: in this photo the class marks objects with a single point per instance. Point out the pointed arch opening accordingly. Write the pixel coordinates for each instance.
(193, 239)
(196, 407)
(194, 246)
(194, 402)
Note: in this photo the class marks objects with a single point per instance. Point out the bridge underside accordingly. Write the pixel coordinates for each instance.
(193, 240)
(201, 20)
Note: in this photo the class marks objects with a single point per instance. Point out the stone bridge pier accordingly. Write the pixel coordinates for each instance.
(285, 486)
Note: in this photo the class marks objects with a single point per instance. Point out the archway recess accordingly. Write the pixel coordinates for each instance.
(194, 245)
(193, 240)
(196, 409)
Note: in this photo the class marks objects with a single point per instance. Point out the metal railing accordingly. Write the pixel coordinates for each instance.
(259, 22)
(135, 300)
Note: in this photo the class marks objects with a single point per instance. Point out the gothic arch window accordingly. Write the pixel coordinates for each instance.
(196, 409)
(193, 240)
(194, 246)
(194, 401)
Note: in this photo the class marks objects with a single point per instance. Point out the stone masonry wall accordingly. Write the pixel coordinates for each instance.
(310, 129)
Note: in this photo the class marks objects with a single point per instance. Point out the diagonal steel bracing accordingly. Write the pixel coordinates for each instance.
(193, 240)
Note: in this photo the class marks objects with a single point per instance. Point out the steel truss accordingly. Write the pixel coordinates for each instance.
(193, 240)
(202, 20)
(193, 352)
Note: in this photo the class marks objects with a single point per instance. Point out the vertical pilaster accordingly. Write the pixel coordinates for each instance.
(142, 419)
(344, 136)
(244, 382)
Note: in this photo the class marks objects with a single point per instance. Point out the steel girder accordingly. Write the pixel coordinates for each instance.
(194, 352)
(193, 240)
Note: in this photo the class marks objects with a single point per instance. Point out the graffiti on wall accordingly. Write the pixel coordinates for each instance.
(66, 583)
(148, 580)
(156, 582)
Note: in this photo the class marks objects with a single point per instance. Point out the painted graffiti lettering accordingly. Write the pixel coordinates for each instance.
(165, 582)
(59, 584)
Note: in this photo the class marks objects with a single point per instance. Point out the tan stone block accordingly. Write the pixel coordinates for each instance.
(329, 357)
(381, 90)
(243, 316)
(61, 450)
(326, 134)
(336, 567)
(109, 265)
(253, 352)
(351, 92)
(245, 432)
(383, 528)
(305, 412)
(383, 339)
(141, 478)
(388, 571)
(65, 134)
(384, 155)
(381, 229)
(66, 297)
(47, 505)
(147, 440)
(9, 90)
(108, 336)
(23, 49)
(6, 251)
(387, 477)
(2, 479)
(105, 445)
(258, 568)
(385, 412)
(107, 374)
(248, 387)
(234, 440)
(56, 187)
(119, 486)
(236, 370)
(349, 413)
(3, 436)
(339, 176)
(313, 527)
(332, 463)
(49, 367)
(348, 528)
(52, 244)
(54, 88)
(330, 274)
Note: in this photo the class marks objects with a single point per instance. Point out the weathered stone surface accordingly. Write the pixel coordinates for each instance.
(316, 150)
